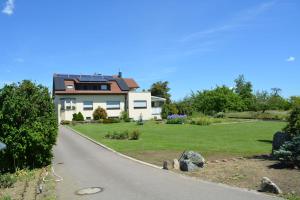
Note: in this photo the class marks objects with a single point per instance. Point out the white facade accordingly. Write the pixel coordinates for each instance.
(137, 103)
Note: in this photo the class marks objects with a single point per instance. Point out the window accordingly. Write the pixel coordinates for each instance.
(140, 104)
(68, 103)
(87, 105)
(103, 87)
(113, 105)
(70, 87)
(88, 118)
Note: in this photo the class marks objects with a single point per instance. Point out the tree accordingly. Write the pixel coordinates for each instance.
(161, 89)
(78, 117)
(168, 109)
(220, 99)
(99, 113)
(277, 102)
(293, 127)
(28, 126)
(244, 89)
(295, 101)
(261, 101)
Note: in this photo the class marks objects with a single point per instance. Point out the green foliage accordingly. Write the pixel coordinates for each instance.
(134, 135)
(125, 116)
(185, 107)
(78, 117)
(220, 99)
(168, 109)
(7, 180)
(176, 121)
(110, 120)
(267, 115)
(99, 113)
(124, 135)
(5, 197)
(244, 90)
(293, 127)
(161, 89)
(203, 121)
(295, 101)
(28, 126)
(289, 152)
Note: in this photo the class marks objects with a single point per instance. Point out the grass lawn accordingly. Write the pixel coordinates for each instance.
(167, 141)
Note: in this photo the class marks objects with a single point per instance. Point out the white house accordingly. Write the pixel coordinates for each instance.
(85, 93)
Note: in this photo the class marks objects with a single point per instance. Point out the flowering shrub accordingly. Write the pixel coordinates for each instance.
(176, 119)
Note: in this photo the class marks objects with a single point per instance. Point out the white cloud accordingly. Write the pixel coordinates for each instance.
(239, 20)
(291, 59)
(9, 7)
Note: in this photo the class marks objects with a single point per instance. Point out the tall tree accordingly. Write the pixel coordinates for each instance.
(161, 89)
(244, 89)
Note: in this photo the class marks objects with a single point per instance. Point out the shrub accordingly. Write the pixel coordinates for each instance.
(7, 180)
(293, 127)
(65, 122)
(78, 117)
(28, 126)
(289, 152)
(111, 120)
(220, 115)
(99, 113)
(168, 109)
(125, 116)
(203, 121)
(5, 197)
(176, 119)
(134, 135)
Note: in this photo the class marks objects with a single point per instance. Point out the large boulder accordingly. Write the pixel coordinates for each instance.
(278, 139)
(175, 164)
(268, 186)
(190, 161)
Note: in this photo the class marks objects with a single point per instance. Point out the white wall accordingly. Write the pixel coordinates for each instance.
(135, 113)
(98, 100)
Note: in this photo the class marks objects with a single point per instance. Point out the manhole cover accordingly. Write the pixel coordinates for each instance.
(89, 190)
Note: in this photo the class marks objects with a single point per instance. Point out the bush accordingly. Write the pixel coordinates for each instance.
(78, 117)
(176, 119)
(28, 126)
(7, 180)
(65, 122)
(125, 116)
(5, 197)
(134, 135)
(293, 127)
(289, 152)
(99, 113)
(111, 120)
(168, 109)
(203, 121)
(220, 115)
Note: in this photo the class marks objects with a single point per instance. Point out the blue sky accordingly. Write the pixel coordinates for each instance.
(192, 44)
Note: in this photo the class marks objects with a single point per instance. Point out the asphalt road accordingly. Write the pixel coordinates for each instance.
(85, 164)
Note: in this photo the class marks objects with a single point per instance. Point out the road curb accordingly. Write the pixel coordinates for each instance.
(112, 150)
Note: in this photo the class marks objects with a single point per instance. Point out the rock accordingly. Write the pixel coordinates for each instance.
(176, 164)
(268, 186)
(166, 165)
(278, 139)
(190, 161)
(187, 166)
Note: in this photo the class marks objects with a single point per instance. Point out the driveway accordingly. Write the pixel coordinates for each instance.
(85, 164)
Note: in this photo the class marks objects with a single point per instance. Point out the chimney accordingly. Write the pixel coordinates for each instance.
(120, 74)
